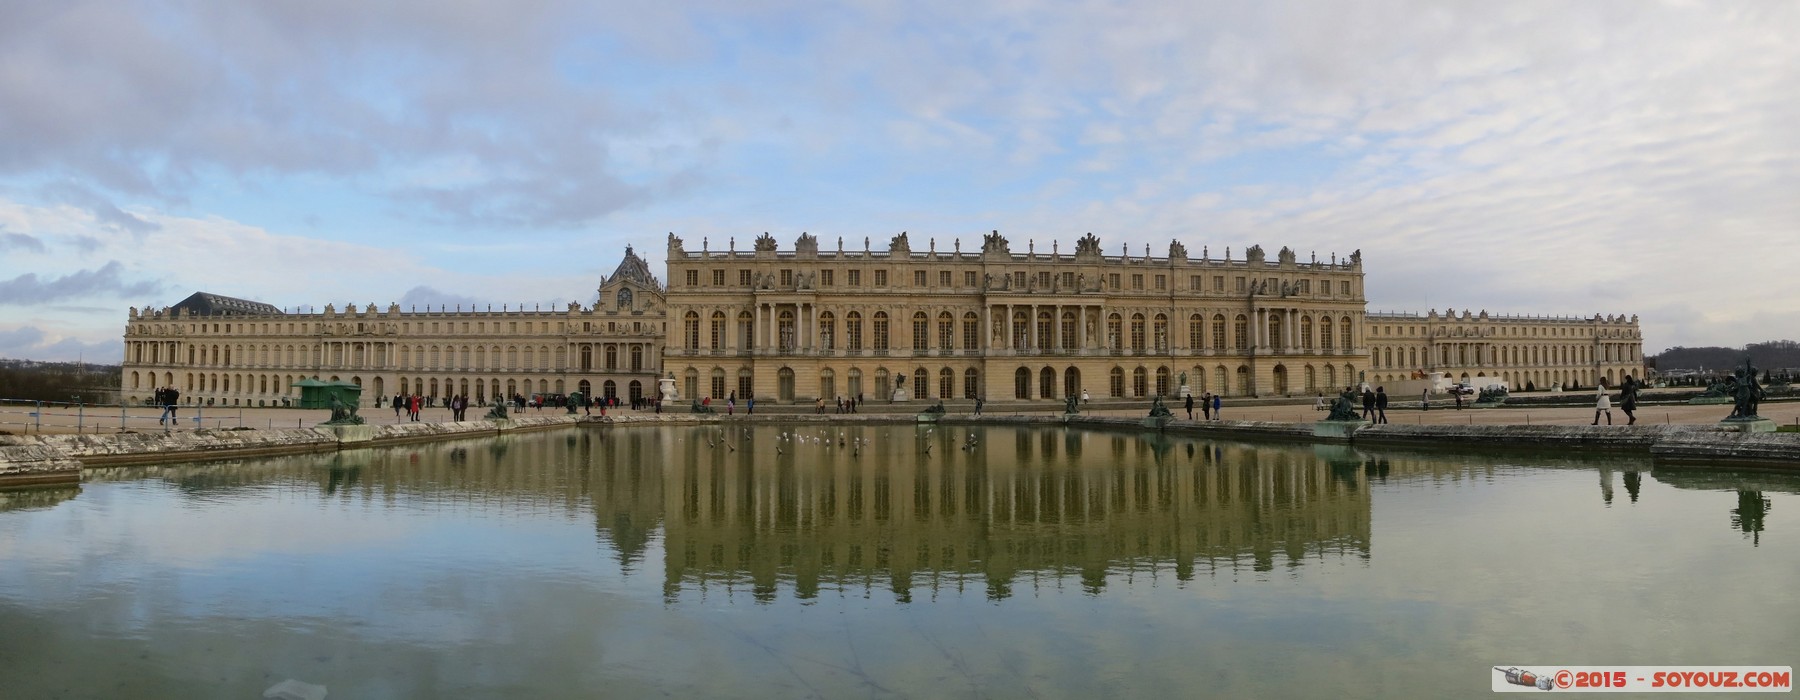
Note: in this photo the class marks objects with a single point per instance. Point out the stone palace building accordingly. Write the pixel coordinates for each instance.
(794, 325)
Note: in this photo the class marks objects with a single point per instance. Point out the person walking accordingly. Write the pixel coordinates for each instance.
(1206, 406)
(730, 403)
(1190, 406)
(1368, 402)
(1603, 405)
(978, 402)
(399, 404)
(1381, 403)
(1628, 400)
(1425, 400)
(1085, 399)
(1217, 414)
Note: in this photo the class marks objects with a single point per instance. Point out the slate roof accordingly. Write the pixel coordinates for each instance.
(204, 304)
(633, 269)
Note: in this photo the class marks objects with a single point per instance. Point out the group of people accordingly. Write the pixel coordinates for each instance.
(409, 404)
(847, 405)
(1210, 405)
(168, 398)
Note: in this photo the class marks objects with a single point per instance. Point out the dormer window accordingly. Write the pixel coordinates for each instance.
(625, 300)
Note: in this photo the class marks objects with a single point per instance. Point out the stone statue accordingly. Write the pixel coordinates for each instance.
(899, 244)
(1344, 408)
(1088, 245)
(575, 401)
(1157, 409)
(498, 412)
(900, 381)
(765, 243)
(1745, 392)
(1183, 379)
(1254, 255)
(342, 413)
(936, 408)
(675, 245)
(1070, 406)
(995, 243)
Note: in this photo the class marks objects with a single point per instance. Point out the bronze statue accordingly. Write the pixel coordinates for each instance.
(498, 412)
(1069, 406)
(1344, 408)
(1745, 392)
(575, 401)
(1158, 410)
(342, 413)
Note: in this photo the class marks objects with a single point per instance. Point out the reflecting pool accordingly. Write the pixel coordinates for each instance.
(877, 561)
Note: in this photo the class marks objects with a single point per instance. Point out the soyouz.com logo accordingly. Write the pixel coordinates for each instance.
(1644, 679)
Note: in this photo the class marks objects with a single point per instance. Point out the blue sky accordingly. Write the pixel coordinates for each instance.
(1531, 157)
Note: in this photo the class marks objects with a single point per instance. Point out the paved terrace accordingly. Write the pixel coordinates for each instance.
(16, 418)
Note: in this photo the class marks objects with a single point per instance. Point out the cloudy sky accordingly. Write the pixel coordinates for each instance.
(1524, 157)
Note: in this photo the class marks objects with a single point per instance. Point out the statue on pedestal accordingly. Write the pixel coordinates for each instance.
(1344, 408)
(575, 401)
(1745, 393)
(1157, 409)
(342, 413)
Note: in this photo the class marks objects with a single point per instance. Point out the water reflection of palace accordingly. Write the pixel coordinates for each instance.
(1018, 505)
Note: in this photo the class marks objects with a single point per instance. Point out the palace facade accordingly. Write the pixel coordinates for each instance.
(222, 351)
(1528, 352)
(792, 326)
(1005, 324)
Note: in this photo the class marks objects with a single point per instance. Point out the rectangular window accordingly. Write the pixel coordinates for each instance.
(1019, 279)
(856, 278)
(918, 278)
(1194, 283)
(787, 277)
(1242, 285)
(968, 279)
(718, 278)
(1068, 280)
(1305, 286)
(881, 278)
(1112, 281)
(1162, 281)
(693, 278)
(1137, 281)
(1218, 283)
(1325, 287)
(1344, 288)
(826, 278)
(943, 278)
(744, 277)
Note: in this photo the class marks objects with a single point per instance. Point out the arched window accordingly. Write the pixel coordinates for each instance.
(1067, 339)
(827, 331)
(785, 337)
(1162, 382)
(637, 357)
(1240, 332)
(922, 383)
(946, 327)
(1022, 384)
(690, 331)
(1045, 330)
(1140, 382)
(1218, 332)
(1115, 333)
(881, 331)
(921, 336)
(1137, 332)
(971, 383)
(971, 328)
(1344, 339)
(946, 383)
(717, 330)
(1196, 332)
(746, 331)
(1046, 383)
(1159, 333)
(1325, 333)
(1306, 334)
(1116, 383)
(612, 356)
(853, 337)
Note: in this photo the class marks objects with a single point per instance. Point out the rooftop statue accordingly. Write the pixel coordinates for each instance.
(1254, 255)
(1088, 245)
(765, 243)
(899, 244)
(995, 243)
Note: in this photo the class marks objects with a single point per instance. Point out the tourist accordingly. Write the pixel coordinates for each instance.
(978, 402)
(1217, 415)
(1381, 402)
(1458, 395)
(1206, 406)
(1425, 399)
(399, 403)
(1085, 399)
(1190, 406)
(1603, 405)
(1368, 402)
(730, 403)
(1319, 403)
(749, 404)
(1628, 400)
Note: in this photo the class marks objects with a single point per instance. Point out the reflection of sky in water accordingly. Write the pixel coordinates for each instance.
(559, 566)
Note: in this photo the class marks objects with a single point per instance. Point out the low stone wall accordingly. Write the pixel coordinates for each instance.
(38, 459)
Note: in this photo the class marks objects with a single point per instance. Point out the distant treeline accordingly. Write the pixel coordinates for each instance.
(58, 381)
(1767, 355)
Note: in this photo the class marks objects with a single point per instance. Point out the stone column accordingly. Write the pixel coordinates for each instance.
(1293, 329)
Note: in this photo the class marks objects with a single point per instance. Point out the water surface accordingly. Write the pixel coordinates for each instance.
(884, 562)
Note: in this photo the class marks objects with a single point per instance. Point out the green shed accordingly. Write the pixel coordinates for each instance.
(317, 394)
